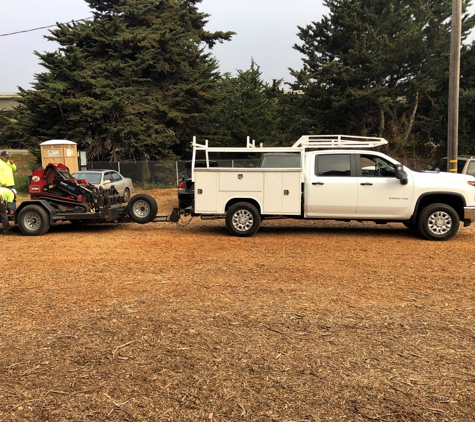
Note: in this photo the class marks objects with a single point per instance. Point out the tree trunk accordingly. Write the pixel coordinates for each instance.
(382, 123)
(411, 119)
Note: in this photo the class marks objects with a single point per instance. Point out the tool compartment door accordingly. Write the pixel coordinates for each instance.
(206, 191)
(282, 192)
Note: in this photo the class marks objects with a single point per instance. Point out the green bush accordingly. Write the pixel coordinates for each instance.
(21, 183)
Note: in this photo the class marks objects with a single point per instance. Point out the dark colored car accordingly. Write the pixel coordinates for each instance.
(186, 188)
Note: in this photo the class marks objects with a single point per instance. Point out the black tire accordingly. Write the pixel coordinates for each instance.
(33, 220)
(243, 219)
(142, 208)
(438, 222)
(126, 195)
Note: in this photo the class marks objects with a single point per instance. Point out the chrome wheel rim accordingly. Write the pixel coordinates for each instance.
(440, 223)
(141, 209)
(243, 220)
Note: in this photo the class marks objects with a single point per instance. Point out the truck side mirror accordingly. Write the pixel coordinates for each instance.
(401, 174)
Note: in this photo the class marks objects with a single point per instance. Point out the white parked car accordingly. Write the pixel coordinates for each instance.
(107, 179)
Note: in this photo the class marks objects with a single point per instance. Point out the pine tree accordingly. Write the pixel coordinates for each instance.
(370, 64)
(136, 81)
(245, 109)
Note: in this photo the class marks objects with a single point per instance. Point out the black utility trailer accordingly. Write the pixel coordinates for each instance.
(55, 196)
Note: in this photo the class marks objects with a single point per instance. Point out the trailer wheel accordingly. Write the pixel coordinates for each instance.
(438, 222)
(243, 219)
(142, 208)
(33, 220)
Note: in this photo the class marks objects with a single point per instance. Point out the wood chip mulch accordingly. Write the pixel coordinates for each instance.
(305, 321)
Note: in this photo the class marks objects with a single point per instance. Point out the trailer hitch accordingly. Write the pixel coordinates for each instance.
(178, 216)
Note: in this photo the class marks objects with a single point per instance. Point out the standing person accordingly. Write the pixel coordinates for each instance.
(7, 167)
(6, 199)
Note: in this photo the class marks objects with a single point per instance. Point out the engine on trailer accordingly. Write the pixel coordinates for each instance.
(55, 184)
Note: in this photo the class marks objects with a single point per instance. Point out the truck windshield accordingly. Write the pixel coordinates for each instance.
(441, 165)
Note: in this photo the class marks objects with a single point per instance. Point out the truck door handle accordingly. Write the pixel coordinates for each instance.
(366, 184)
(318, 183)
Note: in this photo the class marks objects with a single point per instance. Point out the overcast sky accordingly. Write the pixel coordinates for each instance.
(266, 31)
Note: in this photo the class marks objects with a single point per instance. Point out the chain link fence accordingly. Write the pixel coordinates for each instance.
(152, 174)
(163, 174)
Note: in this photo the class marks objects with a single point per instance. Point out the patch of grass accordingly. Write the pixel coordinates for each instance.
(21, 183)
(25, 163)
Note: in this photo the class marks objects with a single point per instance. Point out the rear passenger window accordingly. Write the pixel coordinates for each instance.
(337, 165)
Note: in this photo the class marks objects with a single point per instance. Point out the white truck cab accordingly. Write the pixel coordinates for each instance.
(336, 177)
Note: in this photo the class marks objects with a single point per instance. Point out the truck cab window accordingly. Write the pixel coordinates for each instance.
(333, 165)
(374, 166)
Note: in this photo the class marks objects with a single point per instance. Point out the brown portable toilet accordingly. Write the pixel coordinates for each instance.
(60, 151)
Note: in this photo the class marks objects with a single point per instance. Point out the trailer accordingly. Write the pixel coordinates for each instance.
(56, 196)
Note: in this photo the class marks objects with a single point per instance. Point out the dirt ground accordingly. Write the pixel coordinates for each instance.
(305, 321)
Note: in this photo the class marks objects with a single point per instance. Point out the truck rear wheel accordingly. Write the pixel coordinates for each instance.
(142, 208)
(243, 219)
(438, 222)
(33, 220)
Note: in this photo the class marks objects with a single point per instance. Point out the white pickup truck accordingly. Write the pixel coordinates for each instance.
(337, 177)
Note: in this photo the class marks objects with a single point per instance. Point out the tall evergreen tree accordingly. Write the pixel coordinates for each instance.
(370, 64)
(249, 106)
(134, 82)
(245, 108)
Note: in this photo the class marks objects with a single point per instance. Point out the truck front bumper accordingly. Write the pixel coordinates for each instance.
(468, 216)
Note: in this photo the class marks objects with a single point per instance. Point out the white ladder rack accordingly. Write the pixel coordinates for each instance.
(339, 141)
(304, 143)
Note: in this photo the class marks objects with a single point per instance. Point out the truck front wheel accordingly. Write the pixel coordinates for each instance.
(438, 222)
(243, 219)
(33, 220)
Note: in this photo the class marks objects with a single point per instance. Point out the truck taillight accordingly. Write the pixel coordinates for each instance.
(181, 185)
